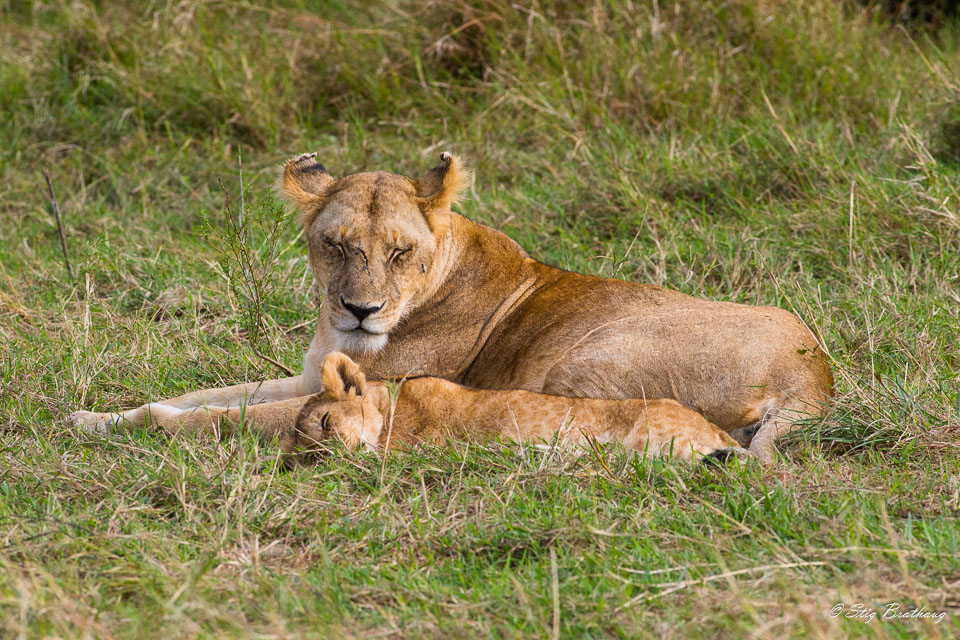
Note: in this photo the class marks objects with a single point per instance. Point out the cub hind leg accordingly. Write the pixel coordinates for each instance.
(667, 428)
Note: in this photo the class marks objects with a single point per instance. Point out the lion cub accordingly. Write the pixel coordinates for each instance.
(379, 415)
(427, 409)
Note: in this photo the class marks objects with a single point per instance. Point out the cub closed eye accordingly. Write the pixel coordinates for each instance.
(325, 421)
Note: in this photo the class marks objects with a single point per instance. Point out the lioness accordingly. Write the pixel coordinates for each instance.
(360, 413)
(413, 289)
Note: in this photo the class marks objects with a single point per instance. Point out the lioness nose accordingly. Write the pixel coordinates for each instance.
(359, 312)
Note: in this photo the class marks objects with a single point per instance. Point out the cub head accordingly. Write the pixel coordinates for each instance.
(373, 242)
(342, 411)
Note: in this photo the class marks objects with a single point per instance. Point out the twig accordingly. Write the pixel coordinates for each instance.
(279, 365)
(243, 209)
(56, 213)
(853, 186)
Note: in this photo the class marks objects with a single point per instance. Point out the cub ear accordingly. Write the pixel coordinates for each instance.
(341, 377)
(304, 182)
(441, 187)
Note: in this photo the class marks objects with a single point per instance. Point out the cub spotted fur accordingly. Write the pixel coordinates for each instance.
(357, 413)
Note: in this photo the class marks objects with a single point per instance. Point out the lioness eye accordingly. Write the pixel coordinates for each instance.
(325, 421)
(397, 253)
(336, 245)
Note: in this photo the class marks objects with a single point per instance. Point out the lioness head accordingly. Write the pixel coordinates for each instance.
(373, 239)
(342, 411)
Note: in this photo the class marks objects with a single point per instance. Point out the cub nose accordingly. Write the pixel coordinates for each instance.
(359, 312)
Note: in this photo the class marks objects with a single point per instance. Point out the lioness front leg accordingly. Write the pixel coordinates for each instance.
(268, 419)
(217, 398)
(236, 395)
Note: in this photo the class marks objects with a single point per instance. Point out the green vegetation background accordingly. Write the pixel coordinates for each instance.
(804, 154)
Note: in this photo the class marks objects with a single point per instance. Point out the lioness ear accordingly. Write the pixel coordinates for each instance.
(341, 376)
(440, 188)
(304, 182)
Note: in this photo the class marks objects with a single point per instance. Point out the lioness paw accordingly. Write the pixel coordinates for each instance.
(722, 456)
(90, 421)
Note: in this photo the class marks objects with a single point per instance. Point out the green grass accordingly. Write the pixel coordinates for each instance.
(800, 153)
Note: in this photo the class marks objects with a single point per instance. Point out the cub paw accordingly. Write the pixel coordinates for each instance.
(90, 421)
(307, 163)
(312, 429)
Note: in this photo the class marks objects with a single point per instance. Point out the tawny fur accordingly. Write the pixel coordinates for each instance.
(360, 413)
(452, 298)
